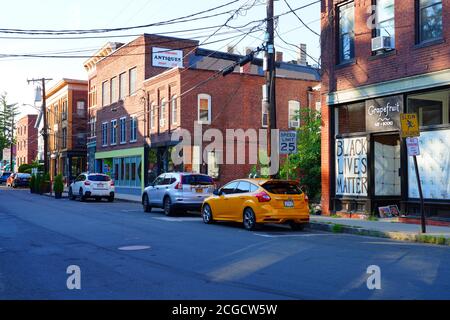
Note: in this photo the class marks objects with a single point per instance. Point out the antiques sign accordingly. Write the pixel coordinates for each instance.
(351, 167)
(167, 58)
(383, 114)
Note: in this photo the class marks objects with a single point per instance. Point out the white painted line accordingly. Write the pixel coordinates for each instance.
(294, 235)
(178, 219)
(134, 248)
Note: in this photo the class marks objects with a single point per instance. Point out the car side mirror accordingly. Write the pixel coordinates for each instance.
(217, 192)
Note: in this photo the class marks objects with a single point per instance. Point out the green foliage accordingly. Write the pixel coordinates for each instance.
(305, 165)
(58, 184)
(32, 183)
(372, 218)
(27, 168)
(337, 228)
(38, 183)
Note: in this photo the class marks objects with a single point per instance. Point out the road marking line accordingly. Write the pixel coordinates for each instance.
(293, 235)
(178, 219)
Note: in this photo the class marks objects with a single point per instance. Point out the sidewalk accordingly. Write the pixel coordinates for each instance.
(385, 228)
(117, 196)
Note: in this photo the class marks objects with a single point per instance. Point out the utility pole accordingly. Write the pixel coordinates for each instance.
(11, 158)
(270, 74)
(44, 117)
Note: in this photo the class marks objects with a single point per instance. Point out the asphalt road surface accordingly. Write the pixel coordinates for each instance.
(182, 258)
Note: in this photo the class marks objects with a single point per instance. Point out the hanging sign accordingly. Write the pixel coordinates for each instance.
(383, 114)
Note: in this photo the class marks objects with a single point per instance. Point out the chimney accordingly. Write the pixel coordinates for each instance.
(230, 49)
(302, 55)
(279, 56)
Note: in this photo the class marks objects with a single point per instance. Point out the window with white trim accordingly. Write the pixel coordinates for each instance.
(153, 113)
(104, 134)
(132, 81)
(294, 114)
(105, 93)
(162, 113)
(213, 166)
(174, 109)
(113, 90)
(122, 79)
(113, 138)
(123, 130)
(385, 23)
(204, 108)
(133, 129)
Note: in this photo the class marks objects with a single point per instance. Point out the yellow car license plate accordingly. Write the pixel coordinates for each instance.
(289, 204)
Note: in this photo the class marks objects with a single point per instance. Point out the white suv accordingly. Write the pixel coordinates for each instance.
(92, 185)
(178, 191)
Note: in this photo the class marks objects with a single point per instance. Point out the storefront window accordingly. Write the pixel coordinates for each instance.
(432, 108)
(351, 118)
(387, 165)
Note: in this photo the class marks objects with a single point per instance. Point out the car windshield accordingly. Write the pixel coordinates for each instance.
(282, 188)
(196, 179)
(98, 177)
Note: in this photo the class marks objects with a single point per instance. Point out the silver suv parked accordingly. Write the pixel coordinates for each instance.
(177, 191)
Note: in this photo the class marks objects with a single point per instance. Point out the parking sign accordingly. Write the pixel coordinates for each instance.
(288, 142)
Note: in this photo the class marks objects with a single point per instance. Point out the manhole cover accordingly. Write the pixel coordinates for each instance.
(134, 248)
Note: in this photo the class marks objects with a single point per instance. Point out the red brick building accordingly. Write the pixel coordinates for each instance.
(379, 62)
(26, 140)
(151, 78)
(67, 123)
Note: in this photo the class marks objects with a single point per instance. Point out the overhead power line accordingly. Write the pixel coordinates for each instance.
(300, 19)
(187, 18)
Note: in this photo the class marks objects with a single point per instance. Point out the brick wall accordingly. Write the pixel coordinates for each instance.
(27, 138)
(408, 59)
(235, 104)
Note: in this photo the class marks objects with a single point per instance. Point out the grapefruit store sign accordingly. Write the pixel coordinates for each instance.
(167, 58)
(383, 114)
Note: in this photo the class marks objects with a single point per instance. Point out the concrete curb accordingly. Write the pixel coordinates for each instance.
(400, 236)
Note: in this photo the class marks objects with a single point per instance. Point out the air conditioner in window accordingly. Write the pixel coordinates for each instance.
(382, 43)
(294, 123)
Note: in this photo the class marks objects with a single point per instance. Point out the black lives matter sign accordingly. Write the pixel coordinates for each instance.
(383, 114)
(351, 166)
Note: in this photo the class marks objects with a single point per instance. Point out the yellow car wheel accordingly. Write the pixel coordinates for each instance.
(207, 214)
(249, 219)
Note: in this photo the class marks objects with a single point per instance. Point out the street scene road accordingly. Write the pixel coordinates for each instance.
(124, 253)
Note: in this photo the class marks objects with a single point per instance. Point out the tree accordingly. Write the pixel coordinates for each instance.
(305, 165)
(8, 113)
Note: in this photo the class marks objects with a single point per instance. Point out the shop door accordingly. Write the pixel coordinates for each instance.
(386, 169)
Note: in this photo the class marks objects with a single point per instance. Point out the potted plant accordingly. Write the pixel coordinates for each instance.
(32, 183)
(46, 184)
(58, 186)
(38, 184)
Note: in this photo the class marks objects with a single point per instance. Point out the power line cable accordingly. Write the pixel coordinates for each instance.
(300, 19)
(187, 18)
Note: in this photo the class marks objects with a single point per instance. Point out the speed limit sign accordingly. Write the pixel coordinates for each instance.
(288, 142)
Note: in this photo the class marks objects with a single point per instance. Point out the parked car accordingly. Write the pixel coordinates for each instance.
(257, 201)
(4, 176)
(178, 191)
(20, 180)
(92, 185)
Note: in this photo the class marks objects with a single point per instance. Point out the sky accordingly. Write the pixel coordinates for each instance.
(96, 14)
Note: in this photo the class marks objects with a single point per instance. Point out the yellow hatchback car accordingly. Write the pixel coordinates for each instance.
(258, 201)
